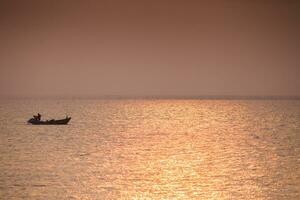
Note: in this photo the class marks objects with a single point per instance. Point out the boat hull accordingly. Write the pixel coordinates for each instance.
(50, 122)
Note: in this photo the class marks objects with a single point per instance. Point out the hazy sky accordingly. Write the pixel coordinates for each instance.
(154, 47)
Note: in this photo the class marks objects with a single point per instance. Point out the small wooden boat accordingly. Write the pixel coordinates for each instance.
(49, 122)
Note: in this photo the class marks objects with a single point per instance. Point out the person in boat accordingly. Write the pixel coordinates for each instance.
(37, 117)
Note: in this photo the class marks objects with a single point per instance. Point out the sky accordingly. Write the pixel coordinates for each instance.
(150, 47)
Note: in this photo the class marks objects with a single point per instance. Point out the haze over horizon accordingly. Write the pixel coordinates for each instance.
(114, 47)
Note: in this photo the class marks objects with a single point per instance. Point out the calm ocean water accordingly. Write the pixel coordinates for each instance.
(151, 149)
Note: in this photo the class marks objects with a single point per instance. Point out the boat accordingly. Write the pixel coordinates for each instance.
(35, 121)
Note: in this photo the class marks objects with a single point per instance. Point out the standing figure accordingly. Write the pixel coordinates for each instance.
(39, 117)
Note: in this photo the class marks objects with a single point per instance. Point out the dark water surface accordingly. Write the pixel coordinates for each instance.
(151, 149)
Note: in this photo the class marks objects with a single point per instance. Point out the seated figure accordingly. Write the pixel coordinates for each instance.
(37, 117)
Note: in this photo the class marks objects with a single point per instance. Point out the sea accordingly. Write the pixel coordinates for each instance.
(151, 149)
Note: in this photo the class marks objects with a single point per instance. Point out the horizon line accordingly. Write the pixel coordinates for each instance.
(116, 97)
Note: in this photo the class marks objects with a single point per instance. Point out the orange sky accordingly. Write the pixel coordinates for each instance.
(154, 47)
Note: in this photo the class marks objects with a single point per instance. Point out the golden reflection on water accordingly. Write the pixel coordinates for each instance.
(158, 149)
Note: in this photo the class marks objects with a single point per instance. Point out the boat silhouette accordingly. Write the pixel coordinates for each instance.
(36, 121)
